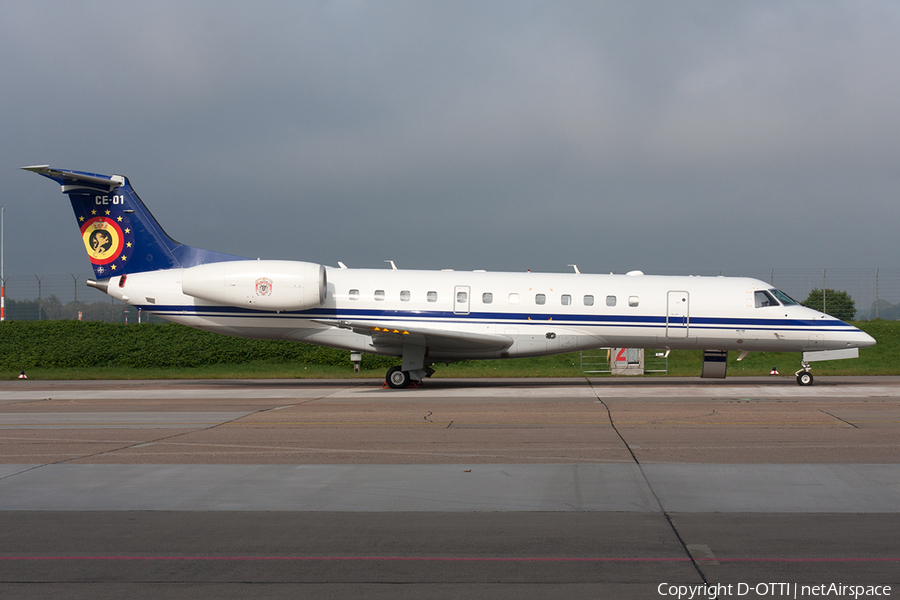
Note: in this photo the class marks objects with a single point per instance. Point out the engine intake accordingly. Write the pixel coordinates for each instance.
(260, 284)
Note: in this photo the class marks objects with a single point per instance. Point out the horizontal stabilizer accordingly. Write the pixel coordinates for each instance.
(68, 179)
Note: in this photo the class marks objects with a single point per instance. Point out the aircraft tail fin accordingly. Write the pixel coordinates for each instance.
(119, 233)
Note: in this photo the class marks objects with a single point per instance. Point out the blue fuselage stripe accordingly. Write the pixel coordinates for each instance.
(498, 318)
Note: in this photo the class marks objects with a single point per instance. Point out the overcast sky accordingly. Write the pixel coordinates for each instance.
(676, 137)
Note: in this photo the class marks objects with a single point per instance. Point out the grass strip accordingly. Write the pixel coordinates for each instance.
(81, 350)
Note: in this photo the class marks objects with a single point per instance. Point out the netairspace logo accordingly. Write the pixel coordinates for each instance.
(785, 590)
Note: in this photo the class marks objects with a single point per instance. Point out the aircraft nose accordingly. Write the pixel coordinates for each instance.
(861, 339)
(866, 340)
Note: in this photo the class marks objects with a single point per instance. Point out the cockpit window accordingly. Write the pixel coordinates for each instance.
(785, 299)
(764, 298)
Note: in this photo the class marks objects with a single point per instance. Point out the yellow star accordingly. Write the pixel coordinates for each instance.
(113, 267)
(107, 213)
(127, 230)
(81, 218)
(128, 245)
(119, 219)
(93, 212)
(124, 258)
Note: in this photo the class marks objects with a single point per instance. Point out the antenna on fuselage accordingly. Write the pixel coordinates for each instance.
(393, 266)
(576, 269)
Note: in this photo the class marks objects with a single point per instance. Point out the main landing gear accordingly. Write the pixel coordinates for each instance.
(413, 368)
(804, 377)
(398, 379)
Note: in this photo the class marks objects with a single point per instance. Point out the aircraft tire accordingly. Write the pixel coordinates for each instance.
(805, 378)
(397, 379)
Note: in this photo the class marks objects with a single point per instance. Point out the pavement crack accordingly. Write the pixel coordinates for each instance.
(659, 503)
(182, 433)
(839, 419)
(22, 471)
(164, 438)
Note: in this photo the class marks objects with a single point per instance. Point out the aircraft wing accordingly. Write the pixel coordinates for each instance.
(434, 339)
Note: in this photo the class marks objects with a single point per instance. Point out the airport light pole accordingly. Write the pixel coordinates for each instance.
(2, 274)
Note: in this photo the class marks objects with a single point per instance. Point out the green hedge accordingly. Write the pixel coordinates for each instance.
(59, 344)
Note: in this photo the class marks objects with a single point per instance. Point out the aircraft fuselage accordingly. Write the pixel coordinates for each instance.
(528, 314)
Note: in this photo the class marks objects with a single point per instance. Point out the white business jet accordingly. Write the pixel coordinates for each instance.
(427, 317)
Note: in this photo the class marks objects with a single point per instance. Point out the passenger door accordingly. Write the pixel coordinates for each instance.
(678, 315)
(461, 300)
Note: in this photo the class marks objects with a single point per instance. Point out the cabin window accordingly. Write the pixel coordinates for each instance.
(487, 298)
(540, 299)
(514, 298)
(404, 296)
(588, 300)
(785, 299)
(431, 296)
(566, 300)
(633, 301)
(379, 295)
(764, 299)
(462, 297)
(610, 300)
(354, 294)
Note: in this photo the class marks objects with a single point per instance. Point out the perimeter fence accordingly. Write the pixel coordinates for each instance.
(63, 296)
(876, 292)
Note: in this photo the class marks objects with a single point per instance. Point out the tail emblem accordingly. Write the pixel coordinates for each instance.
(108, 245)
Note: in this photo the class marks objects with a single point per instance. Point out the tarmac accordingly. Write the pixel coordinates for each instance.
(486, 488)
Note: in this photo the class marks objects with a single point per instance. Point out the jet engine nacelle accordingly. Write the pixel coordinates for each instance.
(260, 284)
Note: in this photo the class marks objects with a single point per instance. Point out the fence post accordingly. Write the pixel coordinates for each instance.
(876, 294)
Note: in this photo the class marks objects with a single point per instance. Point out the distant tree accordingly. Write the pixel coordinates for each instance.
(836, 303)
(885, 310)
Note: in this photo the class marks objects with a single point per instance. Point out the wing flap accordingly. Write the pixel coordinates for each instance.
(393, 334)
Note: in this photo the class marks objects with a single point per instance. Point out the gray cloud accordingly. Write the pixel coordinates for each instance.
(681, 137)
